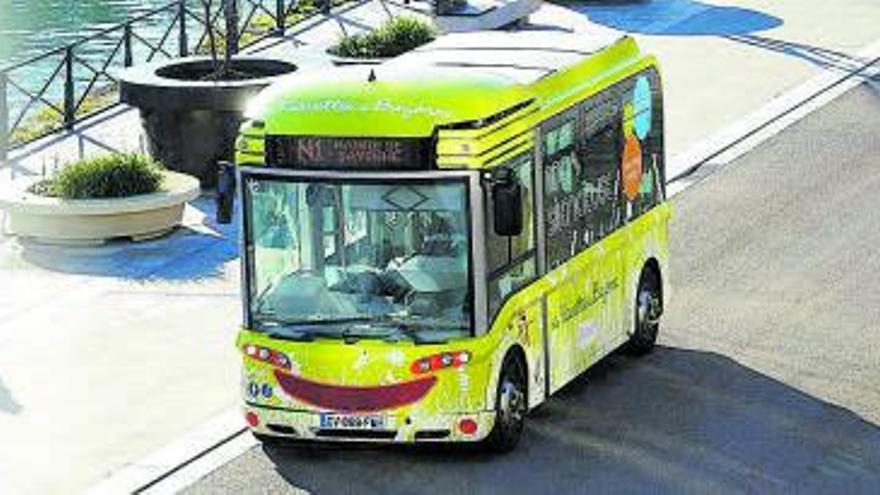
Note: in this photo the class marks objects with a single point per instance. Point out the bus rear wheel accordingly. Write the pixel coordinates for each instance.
(511, 405)
(648, 308)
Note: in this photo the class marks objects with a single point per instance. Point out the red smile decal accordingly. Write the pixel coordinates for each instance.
(345, 398)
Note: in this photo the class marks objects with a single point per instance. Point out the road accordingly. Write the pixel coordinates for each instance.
(765, 379)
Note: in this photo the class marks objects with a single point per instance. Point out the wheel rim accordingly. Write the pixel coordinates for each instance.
(648, 308)
(511, 403)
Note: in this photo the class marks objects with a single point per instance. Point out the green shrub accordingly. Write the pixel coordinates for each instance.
(107, 176)
(397, 36)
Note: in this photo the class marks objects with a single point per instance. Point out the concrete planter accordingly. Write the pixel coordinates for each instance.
(94, 221)
(190, 123)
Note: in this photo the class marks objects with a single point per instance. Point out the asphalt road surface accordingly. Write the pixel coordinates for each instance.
(767, 379)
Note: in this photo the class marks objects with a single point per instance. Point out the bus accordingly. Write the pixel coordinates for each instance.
(433, 246)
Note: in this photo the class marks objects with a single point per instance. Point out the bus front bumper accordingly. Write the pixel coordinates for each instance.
(314, 426)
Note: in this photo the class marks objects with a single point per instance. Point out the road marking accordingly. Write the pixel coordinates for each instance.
(224, 437)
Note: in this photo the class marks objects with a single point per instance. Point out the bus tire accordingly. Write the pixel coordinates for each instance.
(648, 308)
(511, 405)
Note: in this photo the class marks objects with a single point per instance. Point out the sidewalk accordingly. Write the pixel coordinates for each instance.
(107, 354)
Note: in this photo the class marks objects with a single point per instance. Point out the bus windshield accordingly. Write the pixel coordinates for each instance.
(358, 259)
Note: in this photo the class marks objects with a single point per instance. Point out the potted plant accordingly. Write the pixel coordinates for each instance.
(95, 199)
(394, 37)
(191, 107)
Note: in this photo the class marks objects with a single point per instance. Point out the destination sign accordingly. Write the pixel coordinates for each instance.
(344, 153)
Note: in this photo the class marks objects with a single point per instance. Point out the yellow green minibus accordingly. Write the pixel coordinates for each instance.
(434, 245)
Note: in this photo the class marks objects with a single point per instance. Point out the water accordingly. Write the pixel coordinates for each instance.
(29, 28)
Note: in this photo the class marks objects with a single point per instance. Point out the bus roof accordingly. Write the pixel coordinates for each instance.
(461, 77)
(522, 57)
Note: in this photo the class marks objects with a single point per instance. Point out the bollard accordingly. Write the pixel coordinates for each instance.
(225, 192)
(4, 119)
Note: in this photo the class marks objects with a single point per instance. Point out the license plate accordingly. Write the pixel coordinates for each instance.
(352, 421)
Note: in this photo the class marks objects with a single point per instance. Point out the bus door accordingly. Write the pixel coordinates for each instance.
(512, 265)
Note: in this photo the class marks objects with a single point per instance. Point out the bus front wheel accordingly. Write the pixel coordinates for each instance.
(648, 308)
(511, 405)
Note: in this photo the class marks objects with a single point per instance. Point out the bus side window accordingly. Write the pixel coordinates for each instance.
(511, 260)
(643, 148)
(582, 179)
(598, 149)
(562, 188)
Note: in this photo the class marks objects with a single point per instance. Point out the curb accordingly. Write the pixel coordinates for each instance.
(184, 461)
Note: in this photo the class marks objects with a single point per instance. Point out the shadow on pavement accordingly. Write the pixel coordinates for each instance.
(675, 17)
(672, 422)
(821, 57)
(189, 253)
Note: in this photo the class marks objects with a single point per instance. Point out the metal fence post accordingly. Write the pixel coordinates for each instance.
(230, 13)
(69, 103)
(4, 119)
(279, 17)
(126, 44)
(182, 42)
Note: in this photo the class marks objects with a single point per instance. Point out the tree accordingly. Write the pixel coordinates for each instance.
(221, 69)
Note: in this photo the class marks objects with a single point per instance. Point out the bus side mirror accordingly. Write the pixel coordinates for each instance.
(507, 207)
(225, 192)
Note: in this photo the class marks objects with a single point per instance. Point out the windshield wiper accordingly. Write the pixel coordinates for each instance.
(280, 329)
(406, 329)
(394, 334)
(335, 321)
(299, 337)
(351, 337)
(397, 328)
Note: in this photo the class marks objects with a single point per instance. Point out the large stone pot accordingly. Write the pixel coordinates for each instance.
(190, 121)
(94, 221)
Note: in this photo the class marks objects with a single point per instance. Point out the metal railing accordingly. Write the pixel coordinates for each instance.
(80, 81)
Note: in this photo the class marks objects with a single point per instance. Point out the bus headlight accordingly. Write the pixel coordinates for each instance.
(266, 355)
(440, 361)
